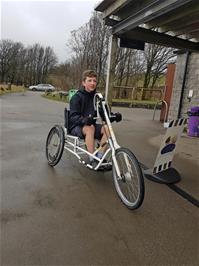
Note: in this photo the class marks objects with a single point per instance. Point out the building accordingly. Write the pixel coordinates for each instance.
(172, 23)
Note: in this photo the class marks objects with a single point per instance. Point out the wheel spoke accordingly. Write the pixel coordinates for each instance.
(132, 191)
(53, 145)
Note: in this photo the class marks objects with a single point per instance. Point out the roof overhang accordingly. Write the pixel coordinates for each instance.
(173, 23)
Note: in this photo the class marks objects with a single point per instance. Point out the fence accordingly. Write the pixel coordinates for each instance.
(121, 92)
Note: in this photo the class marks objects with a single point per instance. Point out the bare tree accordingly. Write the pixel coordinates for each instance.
(6, 52)
(61, 76)
(49, 61)
(16, 53)
(89, 45)
(121, 58)
(21, 65)
(156, 60)
(129, 66)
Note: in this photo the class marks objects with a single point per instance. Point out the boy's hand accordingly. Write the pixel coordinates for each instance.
(116, 117)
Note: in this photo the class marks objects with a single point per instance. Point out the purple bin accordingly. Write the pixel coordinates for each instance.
(193, 124)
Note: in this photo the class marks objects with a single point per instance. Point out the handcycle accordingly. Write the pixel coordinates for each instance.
(126, 171)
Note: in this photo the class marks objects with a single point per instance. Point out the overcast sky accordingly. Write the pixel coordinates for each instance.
(46, 22)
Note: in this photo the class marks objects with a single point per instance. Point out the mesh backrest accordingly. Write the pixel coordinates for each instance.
(66, 119)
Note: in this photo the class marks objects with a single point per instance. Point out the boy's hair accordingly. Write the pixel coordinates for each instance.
(89, 73)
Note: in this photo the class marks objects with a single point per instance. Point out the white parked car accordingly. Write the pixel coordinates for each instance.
(42, 87)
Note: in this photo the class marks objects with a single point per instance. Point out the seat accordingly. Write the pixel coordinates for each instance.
(78, 140)
(66, 119)
(67, 126)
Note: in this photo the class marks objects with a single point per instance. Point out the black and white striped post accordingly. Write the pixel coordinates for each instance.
(162, 170)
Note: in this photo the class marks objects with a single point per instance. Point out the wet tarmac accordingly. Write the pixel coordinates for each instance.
(70, 215)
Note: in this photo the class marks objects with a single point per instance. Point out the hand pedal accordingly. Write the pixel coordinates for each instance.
(86, 164)
(82, 162)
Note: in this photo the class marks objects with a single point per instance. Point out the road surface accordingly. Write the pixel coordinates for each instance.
(71, 215)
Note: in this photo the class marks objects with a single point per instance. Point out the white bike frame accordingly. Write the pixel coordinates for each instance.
(77, 146)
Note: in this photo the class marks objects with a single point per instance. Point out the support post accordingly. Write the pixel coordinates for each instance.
(111, 69)
(168, 91)
(183, 83)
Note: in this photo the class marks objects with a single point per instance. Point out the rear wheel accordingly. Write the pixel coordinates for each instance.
(130, 184)
(55, 145)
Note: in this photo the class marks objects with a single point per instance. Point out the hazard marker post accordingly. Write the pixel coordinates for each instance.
(162, 172)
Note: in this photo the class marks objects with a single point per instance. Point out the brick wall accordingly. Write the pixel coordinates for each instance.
(191, 83)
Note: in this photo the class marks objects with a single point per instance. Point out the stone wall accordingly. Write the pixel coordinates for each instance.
(191, 83)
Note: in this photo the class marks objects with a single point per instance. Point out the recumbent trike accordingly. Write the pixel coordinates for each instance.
(127, 173)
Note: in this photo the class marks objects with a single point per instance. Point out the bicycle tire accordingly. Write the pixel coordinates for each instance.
(55, 145)
(130, 187)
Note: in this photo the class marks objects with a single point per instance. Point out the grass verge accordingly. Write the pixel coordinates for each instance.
(55, 97)
(4, 89)
(149, 104)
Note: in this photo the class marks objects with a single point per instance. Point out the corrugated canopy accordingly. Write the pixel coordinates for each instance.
(173, 23)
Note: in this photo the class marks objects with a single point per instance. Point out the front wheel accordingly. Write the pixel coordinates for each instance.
(130, 183)
(55, 145)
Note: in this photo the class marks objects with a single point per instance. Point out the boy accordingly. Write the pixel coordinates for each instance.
(82, 112)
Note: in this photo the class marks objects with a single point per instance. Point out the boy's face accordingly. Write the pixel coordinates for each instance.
(90, 83)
